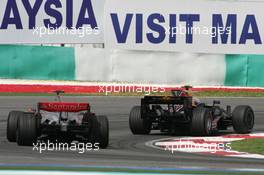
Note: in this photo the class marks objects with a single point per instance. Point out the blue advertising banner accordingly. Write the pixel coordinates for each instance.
(186, 26)
(51, 21)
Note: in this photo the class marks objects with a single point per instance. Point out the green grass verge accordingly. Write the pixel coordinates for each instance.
(125, 170)
(249, 145)
(197, 94)
(228, 94)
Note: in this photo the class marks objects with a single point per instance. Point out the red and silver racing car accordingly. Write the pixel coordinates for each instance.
(58, 121)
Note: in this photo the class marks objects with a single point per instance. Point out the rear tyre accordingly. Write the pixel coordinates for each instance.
(137, 124)
(243, 119)
(12, 125)
(27, 129)
(100, 131)
(201, 122)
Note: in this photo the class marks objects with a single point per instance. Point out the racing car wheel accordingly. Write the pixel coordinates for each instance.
(201, 121)
(243, 119)
(12, 125)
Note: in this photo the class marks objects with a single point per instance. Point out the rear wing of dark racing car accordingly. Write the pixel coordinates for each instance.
(149, 102)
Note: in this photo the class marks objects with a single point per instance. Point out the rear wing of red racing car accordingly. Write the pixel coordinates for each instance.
(63, 107)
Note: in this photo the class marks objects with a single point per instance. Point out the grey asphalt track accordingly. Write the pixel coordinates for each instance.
(125, 149)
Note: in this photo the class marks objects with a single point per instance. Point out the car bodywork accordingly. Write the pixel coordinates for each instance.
(58, 120)
(181, 113)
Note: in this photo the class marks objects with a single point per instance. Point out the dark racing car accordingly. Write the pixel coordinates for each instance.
(182, 113)
(58, 121)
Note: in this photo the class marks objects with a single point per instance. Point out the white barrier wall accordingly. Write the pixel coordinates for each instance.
(99, 65)
(149, 67)
(92, 64)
